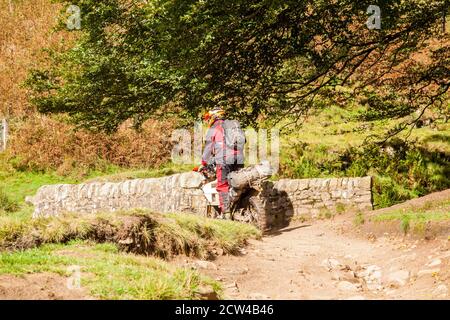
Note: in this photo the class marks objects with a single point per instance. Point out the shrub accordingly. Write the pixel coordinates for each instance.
(43, 144)
(401, 170)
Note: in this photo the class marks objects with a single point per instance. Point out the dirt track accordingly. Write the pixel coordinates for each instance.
(331, 260)
(316, 262)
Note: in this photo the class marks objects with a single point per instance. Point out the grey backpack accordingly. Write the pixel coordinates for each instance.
(234, 135)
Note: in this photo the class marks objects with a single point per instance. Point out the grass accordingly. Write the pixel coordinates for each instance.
(330, 143)
(6, 204)
(108, 273)
(359, 219)
(416, 218)
(413, 216)
(16, 185)
(325, 213)
(228, 235)
(105, 247)
(340, 208)
(124, 174)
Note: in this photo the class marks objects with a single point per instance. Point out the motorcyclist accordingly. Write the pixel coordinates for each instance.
(217, 153)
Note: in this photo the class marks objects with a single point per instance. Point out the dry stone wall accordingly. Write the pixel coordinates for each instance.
(176, 193)
(284, 199)
(288, 198)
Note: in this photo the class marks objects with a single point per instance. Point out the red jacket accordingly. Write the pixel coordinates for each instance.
(216, 150)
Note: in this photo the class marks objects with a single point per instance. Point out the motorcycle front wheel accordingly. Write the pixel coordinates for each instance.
(253, 211)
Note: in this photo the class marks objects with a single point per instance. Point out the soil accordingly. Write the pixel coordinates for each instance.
(39, 286)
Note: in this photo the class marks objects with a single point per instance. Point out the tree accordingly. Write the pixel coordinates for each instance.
(138, 59)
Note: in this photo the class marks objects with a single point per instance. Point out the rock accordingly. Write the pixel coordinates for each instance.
(242, 251)
(258, 296)
(126, 241)
(203, 264)
(190, 180)
(29, 200)
(390, 292)
(335, 276)
(374, 287)
(427, 272)
(434, 263)
(347, 286)
(441, 291)
(232, 285)
(372, 275)
(349, 276)
(331, 264)
(371, 237)
(218, 252)
(397, 278)
(207, 293)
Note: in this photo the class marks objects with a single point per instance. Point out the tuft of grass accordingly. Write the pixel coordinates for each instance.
(340, 208)
(359, 219)
(6, 204)
(108, 273)
(413, 216)
(228, 235)
(325, 213)
(405, 224)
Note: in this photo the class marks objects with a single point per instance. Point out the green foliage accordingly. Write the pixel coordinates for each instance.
(340, 208)
(405, 224)
(6, 204)
(272, 58)
(401, 170)
(359, 219)
(325, 213)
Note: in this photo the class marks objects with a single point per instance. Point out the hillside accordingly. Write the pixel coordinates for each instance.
(48, 150)
(398, 251)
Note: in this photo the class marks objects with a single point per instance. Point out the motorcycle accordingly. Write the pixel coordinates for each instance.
(246, 185)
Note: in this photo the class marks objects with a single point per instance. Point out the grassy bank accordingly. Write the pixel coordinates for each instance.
(416, 219)
(120, 254)
(107, 273)
(427, 217)
(137, 231)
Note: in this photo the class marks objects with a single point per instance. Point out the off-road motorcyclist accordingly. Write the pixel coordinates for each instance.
(218, 152)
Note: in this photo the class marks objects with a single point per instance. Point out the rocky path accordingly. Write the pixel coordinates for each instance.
(326, 260)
